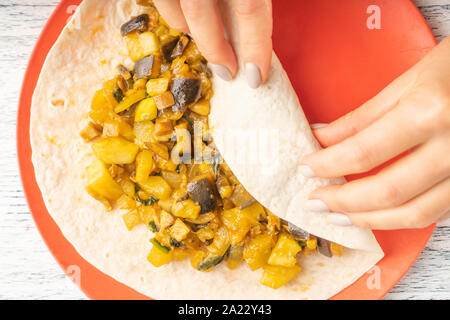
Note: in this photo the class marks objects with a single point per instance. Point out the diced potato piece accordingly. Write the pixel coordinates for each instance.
(157, 187)
(100, 107)
(237, 223)
(180, 254)
(144, 165)
(101, 182)
(164, 100)
(146, 110)
(133, 96)
(141, 45)
(186, 209)
(144, 132)
(125, 202)
(285, 251)
(311, 243)
(172, 178)
(179, 230)
(131, 219)
(157, 86)
(90, 132)
(205, 234)
(166, 220)
(147, 214)
(336, 249)
(166, 205)
(254, 212)
(197, 257)
(202, 107)
(276, 276)
(167, 165)
(257, 251)
(159, 149)
(118, 127)
(163, 130)
(115, 150)
(159, 258)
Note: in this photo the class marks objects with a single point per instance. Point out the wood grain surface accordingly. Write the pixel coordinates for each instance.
(27, 269)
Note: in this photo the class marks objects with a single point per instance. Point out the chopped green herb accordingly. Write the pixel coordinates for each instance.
(147, 202)
(160, 246)
(118, 94)
(153, 226)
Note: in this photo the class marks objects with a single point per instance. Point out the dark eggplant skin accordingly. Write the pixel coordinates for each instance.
(186, 91)
(241, 198)
(324, 247)
(296, 232)
(139, 23)
(168, 47)
(143, 67)
(202, 192)
(180, 46)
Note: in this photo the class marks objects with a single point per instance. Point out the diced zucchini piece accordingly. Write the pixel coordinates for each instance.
(285, 251)
(157, 187)
(237, 223)
(235, 255)
(157, 86)
(133, 96)
(146, 110)
(276, 276)
(158, 257)
(179, 230)
(257, 251)
(101, 182)
(186, 209)
(131, 219)
(209, 262)
(144, 165)
(115, 150)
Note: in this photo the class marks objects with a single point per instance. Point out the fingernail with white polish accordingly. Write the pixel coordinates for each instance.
(317, 205)
(221, 71)
(306, 171)
(339, 219)
(253, 75)
(318, 125)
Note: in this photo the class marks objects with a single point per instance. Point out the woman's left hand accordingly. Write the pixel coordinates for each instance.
(411, 114)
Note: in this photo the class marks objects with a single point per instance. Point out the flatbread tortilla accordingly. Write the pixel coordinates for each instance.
(86, 54)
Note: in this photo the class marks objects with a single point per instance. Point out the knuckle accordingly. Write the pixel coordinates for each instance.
(362, 158)
(390, 195)
(248, 8)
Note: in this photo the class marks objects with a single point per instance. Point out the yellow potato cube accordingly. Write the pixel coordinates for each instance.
(158, 257)
(142, 45)
(202, 107)
(179, 230)
(157, 86)
(237, 223)
(336, 249)
(131, 219)
(101, 182)
(157, 187)
(285, 251)
(115, 150)
(257, 251)
(146, 110)
(144, 165)
(275, 276)
(254, 212)
(186, 209)
(144, 132)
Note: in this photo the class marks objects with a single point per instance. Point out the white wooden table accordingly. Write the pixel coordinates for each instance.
(27, 269)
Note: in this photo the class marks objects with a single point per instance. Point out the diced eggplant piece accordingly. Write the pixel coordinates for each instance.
(167, 47)
(241, 198)
(139, 23)
(202, 192)
(186, 91)
(205, 68)
(179, 47)
(324, 247)
(146, 67)
(295, 231)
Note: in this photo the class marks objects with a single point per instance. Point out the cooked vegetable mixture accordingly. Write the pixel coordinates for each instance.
(141, 124)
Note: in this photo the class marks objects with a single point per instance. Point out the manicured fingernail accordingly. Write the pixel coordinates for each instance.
(317, 205)
(318, 125)
(253, 75)
(339, 219)
(221, 71)
(306, 171)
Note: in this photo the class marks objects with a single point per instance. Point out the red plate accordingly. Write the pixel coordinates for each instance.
(335, 63)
